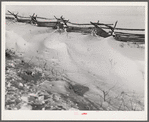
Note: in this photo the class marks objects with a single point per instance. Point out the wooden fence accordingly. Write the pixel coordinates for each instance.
(121, 36)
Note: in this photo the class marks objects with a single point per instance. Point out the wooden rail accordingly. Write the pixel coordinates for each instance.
(78, 24)
(129, 34)
(36, 17)
(124, 29)
(87, 23)
(129, 29)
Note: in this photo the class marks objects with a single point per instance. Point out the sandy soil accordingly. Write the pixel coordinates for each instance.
(112, 71)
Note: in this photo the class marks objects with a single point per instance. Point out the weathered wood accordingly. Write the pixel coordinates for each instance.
(129, 29)
(112, 28)
(21, 19)
(107, 25)
(85, 31)
(11, 13)
(61, 19)
(99, 31)
(46, 18)
(8, 17)
(88, 23)
(46, 24)
(129, 38)
(101, 23)
(78, 24)
(98, 28)
(122, 33)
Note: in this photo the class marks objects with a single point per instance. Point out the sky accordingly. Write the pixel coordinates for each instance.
(133, 16)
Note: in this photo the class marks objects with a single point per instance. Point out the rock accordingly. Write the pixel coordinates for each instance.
(38, 69)
(11, 65)
(32, 99)
(46, 96)
(26, 107)
(20, 85)
(56, 97)
(9, 84)
(24, 98)
(55, 86)
(41, 99)
(18, 100)
(15, 109)
(73, 109)
(11, 89)
(33, 95)
(8, 102)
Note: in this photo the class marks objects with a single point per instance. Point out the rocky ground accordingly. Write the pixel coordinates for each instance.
(28, 87)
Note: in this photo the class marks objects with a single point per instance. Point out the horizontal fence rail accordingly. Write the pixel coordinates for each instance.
(36, 17)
